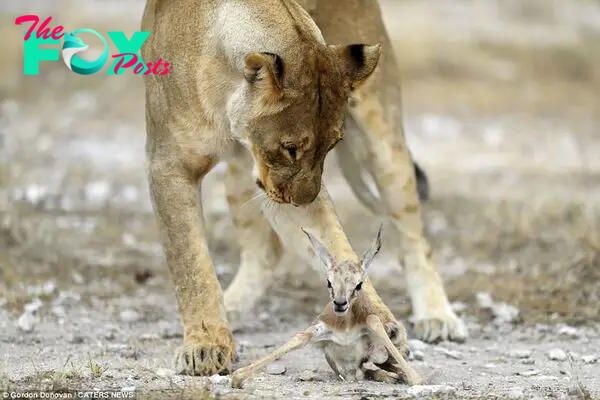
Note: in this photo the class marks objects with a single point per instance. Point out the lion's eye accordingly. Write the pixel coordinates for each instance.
(328, 284)
(292, 151)
(358, 287)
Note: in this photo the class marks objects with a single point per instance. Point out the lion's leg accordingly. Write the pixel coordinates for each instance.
(320, 218)
(390, 163)
(260, 247)
(208, 346)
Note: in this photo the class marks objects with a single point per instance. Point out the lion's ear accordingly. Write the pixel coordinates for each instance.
(359, 60)
(264, 68)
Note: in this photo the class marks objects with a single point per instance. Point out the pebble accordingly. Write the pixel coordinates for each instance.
(504, 312)
(426, 391)
(520, 353)
(170, 333)
(59, 311)
(557, 355)
(309, 376)
(218, 379)
(416, 344)
(128, 389)
(515, 394)
(110, 335)
(570, 331)
(149, 336)
(116, 347)
(589, 359)
(75, 339)
(459, 306)
(34, 306)
(528, 361)
(530, 372)
(263, 316)
(276, 369)
(49, 288)
(130, 316)
(484, 299)
(418, 355)
(26, 322)
(165, 372)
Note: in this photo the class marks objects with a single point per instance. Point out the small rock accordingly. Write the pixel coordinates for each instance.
(418, 355)
(520, 353)
(130, 316)
(49, 288)
(165, 372)
(570, 331)
(450, 353)
(416, 344)
(557, 355)
(276, 369)
(309, 376)
(169, 333)
(128, 389)
(34, 306)
(59, 311)
(75, 339)
(110, 335)
(149, 336)
(26, 322)
(218, 379)
(530, 372)
(589, 359)
(504, 312)
(263, 316)
(2, 301)
(528, 361)
(515, 394)
(116, 347)
(459, 306)
(484, 300)
(422, 391)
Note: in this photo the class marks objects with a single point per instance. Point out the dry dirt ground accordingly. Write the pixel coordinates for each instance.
(502, 109)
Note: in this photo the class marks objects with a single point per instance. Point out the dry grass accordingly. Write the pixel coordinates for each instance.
(546, 256)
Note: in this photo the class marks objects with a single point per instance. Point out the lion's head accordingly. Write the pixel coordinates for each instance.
(290, 113)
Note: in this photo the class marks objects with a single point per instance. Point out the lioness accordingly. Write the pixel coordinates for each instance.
(269, 88)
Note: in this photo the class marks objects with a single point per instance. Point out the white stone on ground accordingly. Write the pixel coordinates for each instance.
(557, 355)
(26, 322)
(130, 316)
(276, 369)
(520, 353)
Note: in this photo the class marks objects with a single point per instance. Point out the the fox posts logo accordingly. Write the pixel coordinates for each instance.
(128, 56)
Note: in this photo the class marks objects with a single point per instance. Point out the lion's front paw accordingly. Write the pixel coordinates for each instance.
(207, 353)
(440, 326)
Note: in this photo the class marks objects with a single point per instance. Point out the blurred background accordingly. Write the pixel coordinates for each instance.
(502, 105)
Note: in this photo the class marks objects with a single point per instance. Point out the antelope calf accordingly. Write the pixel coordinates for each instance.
(352, 332)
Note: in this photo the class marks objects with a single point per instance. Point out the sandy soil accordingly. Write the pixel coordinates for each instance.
(501, 109)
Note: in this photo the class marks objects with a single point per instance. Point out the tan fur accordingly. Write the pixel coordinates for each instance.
(261, 74)
(356, 340)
